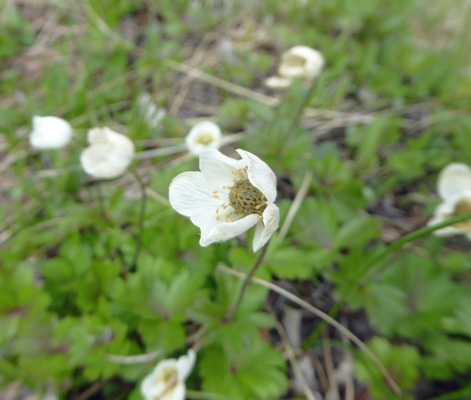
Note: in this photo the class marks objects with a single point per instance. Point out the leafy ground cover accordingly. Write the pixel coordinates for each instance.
(101, 279)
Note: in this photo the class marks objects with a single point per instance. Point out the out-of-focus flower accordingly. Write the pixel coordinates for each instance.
(228, 197)
(50, 133)
(152, 114)
(108, 155)
(454, 187)
(301, 62)
(204, 135)
(167, 380)
(298, 62)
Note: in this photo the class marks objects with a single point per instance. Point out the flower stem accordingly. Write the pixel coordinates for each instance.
(142, 214)
(297, 116)
(245, 284)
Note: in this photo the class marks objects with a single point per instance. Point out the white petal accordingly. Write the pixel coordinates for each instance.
(219, 169)
(454, 179)
(50, 133)
(263, 232)
(190, 195)
(151, 385)
(260, 175)
(278, 82)
(101, 162)
(207, 131)
(301, 62)
(227, 230)
(442, 213)
(177, 393)
(185, 365)
(117, 140)
(108, 155)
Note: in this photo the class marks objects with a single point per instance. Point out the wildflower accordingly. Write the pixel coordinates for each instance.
(167, 380)
(228, 197)
(298, 62)
(50, 133)
(301, 62)
(108, 155)
(454, 187)
(151, 114)
(202, 136)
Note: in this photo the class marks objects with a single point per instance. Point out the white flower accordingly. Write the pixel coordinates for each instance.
(108, 155)
(454, 187)
(204, 135)
(301, 62)
(50, 133)
(228, 197)
(167, 380)
(152, 114)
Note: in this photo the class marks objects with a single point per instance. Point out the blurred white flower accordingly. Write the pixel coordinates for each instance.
(301, 62)
(152, 114)
(108, 155)
(204, 135)
(50, 133)
(298, 62)
(167, 380)
(454, 187)
(228, 197)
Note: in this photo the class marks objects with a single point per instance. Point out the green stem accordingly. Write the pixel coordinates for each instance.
(245, 284)
(299, 112)
(142, 214)
(409, 238)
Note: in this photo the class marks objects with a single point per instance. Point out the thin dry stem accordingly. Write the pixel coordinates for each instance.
(295, 205)
(137, 359)
(329, 366)
(292, 358)
(323, 316)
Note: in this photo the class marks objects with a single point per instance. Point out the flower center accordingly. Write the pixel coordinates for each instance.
(246, 199)
(296, 61)
(463, 207)
(167, 375)
(205, 139)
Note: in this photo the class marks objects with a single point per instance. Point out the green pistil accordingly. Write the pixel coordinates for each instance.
(246, 199)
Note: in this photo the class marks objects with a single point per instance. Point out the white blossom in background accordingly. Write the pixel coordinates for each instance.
(152, 114)
(298, 62)
(50, 133)
(204, 135)
(167, 380)
(454, 187)
(228, 197)
(108, 155)
(301, 62)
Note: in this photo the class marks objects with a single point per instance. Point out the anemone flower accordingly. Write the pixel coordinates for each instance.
(454, 187)
(108, 155)
(50, 133)
(228, 197)
(204, 135)
(167, 380)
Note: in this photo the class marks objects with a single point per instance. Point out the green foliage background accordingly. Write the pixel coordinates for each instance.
(389, 111)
